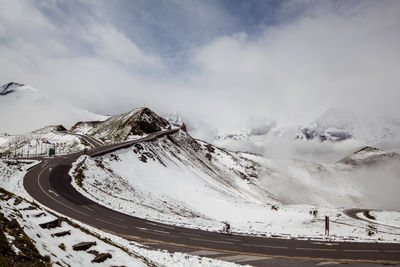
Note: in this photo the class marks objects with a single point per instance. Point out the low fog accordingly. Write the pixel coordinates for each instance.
(374, 187)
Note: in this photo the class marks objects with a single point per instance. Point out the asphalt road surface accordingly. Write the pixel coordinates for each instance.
(50, 184)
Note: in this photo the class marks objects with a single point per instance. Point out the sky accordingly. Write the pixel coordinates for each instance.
(222, 61)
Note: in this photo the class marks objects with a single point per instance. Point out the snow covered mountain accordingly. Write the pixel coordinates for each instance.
(328, 138)
(24, 108)
(370, 156)
(338, 125)
(181, 180)
(194, 126)
(129, 125)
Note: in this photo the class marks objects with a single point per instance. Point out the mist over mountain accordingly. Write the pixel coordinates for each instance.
(329, 137)
(25, 108)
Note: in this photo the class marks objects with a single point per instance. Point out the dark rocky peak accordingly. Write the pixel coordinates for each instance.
(367, 149)
(369, 156)
(136, 122)
(148, 122)
(9, 88)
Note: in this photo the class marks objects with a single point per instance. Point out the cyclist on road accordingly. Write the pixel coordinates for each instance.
(227, 228)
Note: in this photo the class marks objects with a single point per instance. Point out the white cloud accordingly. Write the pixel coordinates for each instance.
(329, 54)
(111, 44)
(299, 69)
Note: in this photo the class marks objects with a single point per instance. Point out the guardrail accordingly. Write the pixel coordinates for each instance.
(107, 147)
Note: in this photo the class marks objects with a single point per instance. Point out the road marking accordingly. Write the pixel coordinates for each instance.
(213, 241)
(317, 249)
(164, 226)
(122, 226)
(59, 202)
(325, 243)
(361, 250)
(264, 246)
(142, 228)
(169, 235)
(392, 251)
(159, 231)
(190, 234)
(86, 207)
(240, 258)
(51, 191)
(160, 225)
(232, 239)
(203, 253)
(121, 220)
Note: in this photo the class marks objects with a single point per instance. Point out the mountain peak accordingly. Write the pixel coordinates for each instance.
(368, 149)
(369, 156)
(9, 88)
(136, 122)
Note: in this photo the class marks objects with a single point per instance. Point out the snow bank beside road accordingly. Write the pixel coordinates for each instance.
(59, 249)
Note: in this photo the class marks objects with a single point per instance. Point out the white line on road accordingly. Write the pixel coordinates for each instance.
(204, 253)
(122, 226)
(190, 234)
(159, 231)
(325, 243)
(38, 180)
(169, 235)
(361, 250)
(206, 240)
(168, 227)
(241, 258)
(264, 246)
(392, 251)
(317, 249)
(118, 219)
(86, 207)
(51, 191)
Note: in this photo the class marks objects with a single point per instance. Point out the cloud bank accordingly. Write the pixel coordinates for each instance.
(291, 61)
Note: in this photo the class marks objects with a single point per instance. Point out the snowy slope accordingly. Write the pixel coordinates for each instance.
(39, 142)
(24, 108)
(15, 206)
(194, 126)
(183, 181)
(204, 175)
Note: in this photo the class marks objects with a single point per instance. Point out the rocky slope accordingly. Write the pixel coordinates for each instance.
(369, 156)
(118, 128)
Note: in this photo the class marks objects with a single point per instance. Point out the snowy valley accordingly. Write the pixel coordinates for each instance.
(177, 179)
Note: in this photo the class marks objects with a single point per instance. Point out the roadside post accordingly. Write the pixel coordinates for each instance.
(326, 225)
(52, 152)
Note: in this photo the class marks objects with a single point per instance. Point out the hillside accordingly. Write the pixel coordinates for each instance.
(130, 125)
(179, 180)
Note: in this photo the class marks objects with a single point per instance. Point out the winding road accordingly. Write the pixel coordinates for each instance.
(50, 184)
